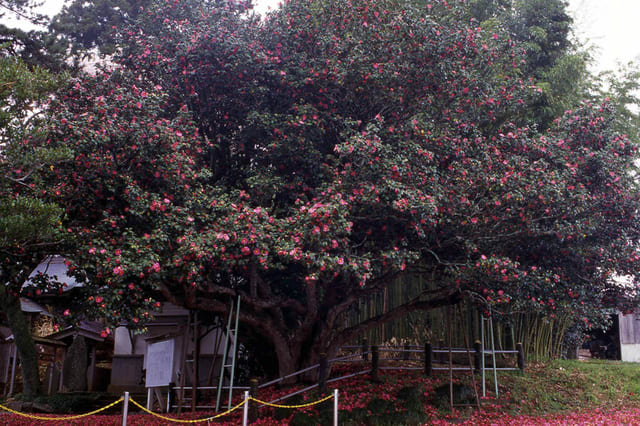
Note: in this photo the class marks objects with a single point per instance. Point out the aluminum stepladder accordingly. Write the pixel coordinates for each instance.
(231, 337)
(488, 323)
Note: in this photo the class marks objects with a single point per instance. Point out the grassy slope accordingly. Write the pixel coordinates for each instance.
(570, 386)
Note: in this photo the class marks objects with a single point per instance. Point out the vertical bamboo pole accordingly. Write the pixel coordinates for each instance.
(385, 300)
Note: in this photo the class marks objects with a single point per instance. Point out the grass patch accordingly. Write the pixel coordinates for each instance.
(562, 385)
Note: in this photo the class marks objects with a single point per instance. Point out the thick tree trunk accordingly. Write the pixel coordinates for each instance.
(301, 329)
(19, 326)
(287, 362)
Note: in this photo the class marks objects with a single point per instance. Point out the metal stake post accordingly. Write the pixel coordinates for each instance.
(245, 412)
(125, 408)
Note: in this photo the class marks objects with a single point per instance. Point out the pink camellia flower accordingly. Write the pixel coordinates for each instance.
(66, 312)
(118, 270)
(155, 267)
(92, 250)
(99, 299)
(245, 251)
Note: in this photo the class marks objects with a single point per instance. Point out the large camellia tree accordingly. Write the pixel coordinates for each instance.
(308, 160)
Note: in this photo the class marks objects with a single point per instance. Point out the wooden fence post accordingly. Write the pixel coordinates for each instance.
(521, 360)
(365, 348)
(477, 346)
(253, 408)
(428, 359)
(442, 356)
(323, 373)
(406, 353)
(375, 361)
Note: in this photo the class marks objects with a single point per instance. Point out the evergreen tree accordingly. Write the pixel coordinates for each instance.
(30, 226)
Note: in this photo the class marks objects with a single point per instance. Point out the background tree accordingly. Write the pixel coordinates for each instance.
(88, 26)
(29, 224)
(555, 64)
(338, 147)
(34, 47)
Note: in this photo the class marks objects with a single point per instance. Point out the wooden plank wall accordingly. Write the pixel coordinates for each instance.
(629, 328)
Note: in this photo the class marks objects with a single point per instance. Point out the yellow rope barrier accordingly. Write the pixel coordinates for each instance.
(185, 421)
(77, 416)
(134, 402)
(292, 406)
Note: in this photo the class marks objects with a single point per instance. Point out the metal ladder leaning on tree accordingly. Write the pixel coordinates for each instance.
(231, 337)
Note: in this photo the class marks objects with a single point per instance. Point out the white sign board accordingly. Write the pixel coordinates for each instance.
(159, 363)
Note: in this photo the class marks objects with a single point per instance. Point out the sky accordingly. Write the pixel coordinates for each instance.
(610, 27)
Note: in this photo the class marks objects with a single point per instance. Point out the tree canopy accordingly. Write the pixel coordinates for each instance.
(308, 160)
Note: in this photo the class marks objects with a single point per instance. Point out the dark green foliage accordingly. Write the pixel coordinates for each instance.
(30, 222)
(62, 403)
(462, 394)
(95, 25)
(283, 413)
(621, 88)
(543, 27)
(411, 399)
(321, 417)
